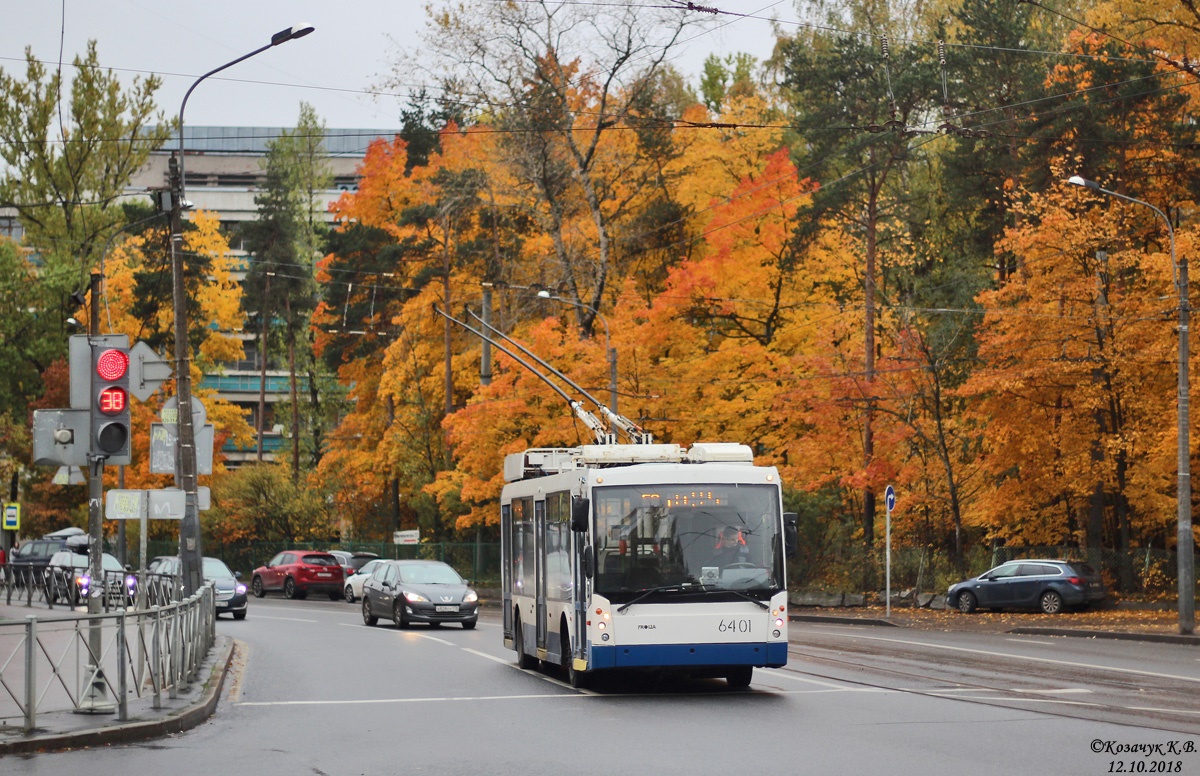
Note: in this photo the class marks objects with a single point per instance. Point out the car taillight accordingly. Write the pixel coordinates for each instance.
(1075, 580)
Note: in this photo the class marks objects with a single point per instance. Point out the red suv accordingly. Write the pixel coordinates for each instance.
(299, 572)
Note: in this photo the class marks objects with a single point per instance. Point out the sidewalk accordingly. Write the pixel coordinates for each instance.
(1134, 625)
(68, 730)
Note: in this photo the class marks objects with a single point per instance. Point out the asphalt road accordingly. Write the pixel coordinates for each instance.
(314, 691)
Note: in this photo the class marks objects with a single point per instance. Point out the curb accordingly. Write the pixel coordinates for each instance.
(127, 732)
(829, 618)
(1161, 638)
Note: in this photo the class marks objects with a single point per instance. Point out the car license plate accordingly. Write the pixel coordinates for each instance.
(445, 608)
(324, 574)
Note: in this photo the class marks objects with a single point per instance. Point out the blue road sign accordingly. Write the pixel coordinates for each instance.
(12, 517)
(889, 497)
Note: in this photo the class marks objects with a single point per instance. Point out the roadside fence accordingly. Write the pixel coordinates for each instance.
(100, 663)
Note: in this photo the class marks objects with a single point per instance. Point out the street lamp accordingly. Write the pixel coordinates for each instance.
(1186, 559)
(608, 348)
(185, 459)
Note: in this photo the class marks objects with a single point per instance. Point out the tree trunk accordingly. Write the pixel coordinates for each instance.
(262, 355)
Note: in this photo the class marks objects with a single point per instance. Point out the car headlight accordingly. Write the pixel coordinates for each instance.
(241, 589)
(471, 597)
(414, 597)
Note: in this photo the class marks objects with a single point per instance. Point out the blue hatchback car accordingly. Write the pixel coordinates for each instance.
(1049, 585)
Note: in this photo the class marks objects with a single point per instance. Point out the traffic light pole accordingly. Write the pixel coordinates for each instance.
(185, 472)
(95, 697)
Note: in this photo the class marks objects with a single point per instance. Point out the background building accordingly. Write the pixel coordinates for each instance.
(223, 173)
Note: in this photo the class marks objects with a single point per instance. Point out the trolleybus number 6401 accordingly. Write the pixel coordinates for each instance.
(734, 626)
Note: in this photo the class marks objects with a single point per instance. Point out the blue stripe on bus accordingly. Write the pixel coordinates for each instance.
(755, 654)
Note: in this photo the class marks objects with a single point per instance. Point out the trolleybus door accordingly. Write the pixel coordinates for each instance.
(506, 567)
(579, 540)
(539, 531)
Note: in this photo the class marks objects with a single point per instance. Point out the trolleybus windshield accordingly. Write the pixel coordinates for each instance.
(716, 536)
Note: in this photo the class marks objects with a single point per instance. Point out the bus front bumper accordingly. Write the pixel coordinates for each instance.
(768, 654)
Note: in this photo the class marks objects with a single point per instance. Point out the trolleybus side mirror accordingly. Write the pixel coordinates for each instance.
(580, 509)
(587, 561)
(791, 534)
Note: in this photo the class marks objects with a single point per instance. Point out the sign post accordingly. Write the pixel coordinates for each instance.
(407, 537)
(889, 498)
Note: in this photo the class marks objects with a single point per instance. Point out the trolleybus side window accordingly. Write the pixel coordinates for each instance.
(523, 546)
(558, 546)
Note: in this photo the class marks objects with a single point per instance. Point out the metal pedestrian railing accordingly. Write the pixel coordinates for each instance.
(98, 663)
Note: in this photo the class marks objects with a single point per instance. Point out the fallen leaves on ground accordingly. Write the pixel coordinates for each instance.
(1122, 620)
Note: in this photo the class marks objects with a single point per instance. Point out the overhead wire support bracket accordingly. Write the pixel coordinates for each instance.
(591, 421)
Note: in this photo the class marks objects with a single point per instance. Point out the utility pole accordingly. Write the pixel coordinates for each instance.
(185, 477)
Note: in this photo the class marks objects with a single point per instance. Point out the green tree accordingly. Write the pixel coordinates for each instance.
(855, 97)
(284, 243)
(63, 172)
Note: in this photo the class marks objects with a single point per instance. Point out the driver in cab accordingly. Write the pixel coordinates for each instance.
(730, 548)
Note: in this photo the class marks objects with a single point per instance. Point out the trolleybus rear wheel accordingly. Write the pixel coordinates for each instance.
(524, 660)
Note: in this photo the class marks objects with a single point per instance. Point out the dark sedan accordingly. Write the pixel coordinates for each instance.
(427, 591)
(1049, 585)
(164, 584)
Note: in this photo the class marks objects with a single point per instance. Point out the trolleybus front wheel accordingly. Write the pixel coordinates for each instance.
(740, 677)
(577, 679)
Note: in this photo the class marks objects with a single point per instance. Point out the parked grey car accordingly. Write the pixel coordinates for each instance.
(1049, 585)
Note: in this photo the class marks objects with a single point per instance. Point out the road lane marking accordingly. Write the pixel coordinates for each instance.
(1163, 711)
(1032, 641)
(1012, 656)
(435, 638)
(1010, 699)
(806, 680)
(1063, 691)
(503, 660)
(289, 619)
(448, 699)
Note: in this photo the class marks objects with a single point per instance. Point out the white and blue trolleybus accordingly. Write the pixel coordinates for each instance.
(640, 555)
(636, 556)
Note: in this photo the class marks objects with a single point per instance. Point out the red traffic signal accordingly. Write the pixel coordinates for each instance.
(112, 364)
(110, 401)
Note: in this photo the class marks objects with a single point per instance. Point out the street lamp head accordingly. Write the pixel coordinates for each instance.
(1077, 180)
(291, 33)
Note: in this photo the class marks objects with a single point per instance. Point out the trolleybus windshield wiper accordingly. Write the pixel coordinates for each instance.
(679, 586)
(689, 587)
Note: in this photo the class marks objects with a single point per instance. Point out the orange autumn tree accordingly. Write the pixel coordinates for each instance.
(214, 313)
(1077, 380)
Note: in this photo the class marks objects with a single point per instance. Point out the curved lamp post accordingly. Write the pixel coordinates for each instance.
(1186, 557)
(185, 459)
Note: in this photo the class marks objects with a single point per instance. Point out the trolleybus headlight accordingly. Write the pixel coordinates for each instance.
(601, 626)
(779, 623)
(414, 597)
(471, 597)
(604, 637)
(775, 634)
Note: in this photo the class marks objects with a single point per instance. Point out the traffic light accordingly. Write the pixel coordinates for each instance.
(110, 401)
